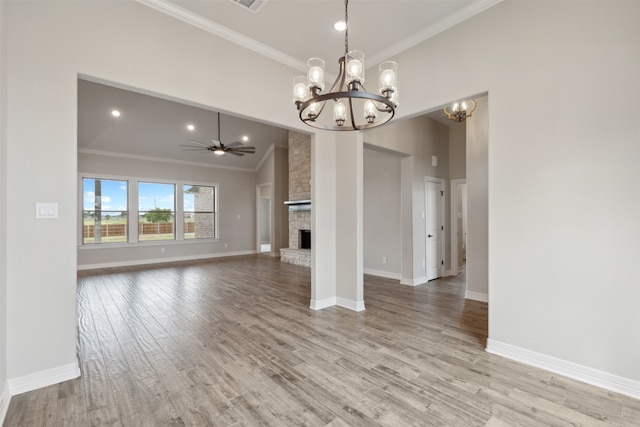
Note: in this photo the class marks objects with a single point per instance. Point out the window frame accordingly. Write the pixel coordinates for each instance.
(133, 211)
(214, 211)
(83, 210)
(174, 211)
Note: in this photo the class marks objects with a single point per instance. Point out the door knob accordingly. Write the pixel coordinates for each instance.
(429, 235)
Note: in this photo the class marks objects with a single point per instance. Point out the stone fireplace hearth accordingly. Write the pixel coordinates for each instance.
(299, 201)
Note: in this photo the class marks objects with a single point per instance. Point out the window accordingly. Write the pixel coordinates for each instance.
(166, 211)
(199, 212)
(156, 211)
(104, 211)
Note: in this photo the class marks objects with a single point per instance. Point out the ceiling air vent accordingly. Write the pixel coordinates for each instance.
(250, 5)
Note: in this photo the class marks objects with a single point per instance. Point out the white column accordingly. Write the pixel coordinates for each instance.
(323, 220)
(349, 226)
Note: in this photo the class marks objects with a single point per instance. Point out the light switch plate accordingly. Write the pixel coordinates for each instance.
(46, 210)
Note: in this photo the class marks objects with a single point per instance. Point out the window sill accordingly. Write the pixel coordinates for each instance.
(144, 244)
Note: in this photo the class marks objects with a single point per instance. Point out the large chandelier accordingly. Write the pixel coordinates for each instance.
(353, 107)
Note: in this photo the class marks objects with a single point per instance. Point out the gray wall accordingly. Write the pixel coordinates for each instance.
(275, 170)
(280, 217)
(478, 202)
(417, 140)
(236, 196)
(4, 392)
(458, 148)
(382, 216)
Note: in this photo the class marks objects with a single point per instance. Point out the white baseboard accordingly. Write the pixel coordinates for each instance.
(323, 303)
(477, 296)
(414, 282)
(350, 304)
(161, 260)
(43, 378)
(5, 397)
(572, 370)
(382, 273)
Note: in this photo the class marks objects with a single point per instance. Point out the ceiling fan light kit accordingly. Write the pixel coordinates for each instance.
(353, 107)
(236, 148)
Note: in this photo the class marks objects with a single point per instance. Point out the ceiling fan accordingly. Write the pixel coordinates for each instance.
(236, 148)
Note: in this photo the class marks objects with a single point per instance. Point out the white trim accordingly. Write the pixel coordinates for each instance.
(453, 238)
(219, 30)
(572, 370)
(414, 282)
(441, 219)
(160, 159)
(259, 212)
(161, 260)
(323, 303)
(43, 378)
(264, 158)
(477, 296)
(5, 398)
(381, 273)
(350, 304)
(428, 32)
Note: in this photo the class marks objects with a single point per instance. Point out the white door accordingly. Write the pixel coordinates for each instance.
(434, 196)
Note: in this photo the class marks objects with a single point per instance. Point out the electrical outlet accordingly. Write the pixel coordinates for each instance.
(424, 264)
(384, 259)
(161, 250)
(226, 245)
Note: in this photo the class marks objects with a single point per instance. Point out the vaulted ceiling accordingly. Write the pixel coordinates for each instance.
(289, 31)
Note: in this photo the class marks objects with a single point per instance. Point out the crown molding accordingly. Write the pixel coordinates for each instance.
(160, 159)
(219, 30)
(264, 158)
(432, 30)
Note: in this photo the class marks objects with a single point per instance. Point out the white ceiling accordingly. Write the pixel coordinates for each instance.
(289, 31)
(153, 127)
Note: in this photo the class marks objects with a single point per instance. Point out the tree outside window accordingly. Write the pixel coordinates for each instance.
(104, 211)
(156, 211)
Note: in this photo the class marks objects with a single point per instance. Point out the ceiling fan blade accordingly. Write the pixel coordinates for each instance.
(216, 142)
(249, 150)
(235, 153)
(192, 146)
(233, 144)
(198, 142)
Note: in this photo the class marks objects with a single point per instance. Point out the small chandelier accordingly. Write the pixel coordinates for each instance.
(353, 107)
(460, 112)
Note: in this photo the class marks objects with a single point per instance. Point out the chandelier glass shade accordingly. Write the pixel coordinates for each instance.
(459, 112)
(353, 108)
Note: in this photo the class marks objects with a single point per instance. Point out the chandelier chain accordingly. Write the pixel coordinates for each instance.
(346, 31)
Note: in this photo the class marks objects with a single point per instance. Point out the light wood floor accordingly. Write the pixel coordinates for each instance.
(233, 342)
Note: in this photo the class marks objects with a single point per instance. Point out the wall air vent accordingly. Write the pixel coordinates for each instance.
(250, 5)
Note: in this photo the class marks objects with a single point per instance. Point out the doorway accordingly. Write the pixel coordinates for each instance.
(263, 217)
(434, 208)
(458, 225)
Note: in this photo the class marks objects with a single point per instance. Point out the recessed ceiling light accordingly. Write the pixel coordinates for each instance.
(115, 113)
(190, 126)
(245, 138)
(340, 25)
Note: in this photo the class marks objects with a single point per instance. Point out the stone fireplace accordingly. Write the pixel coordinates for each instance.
(299, 201)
